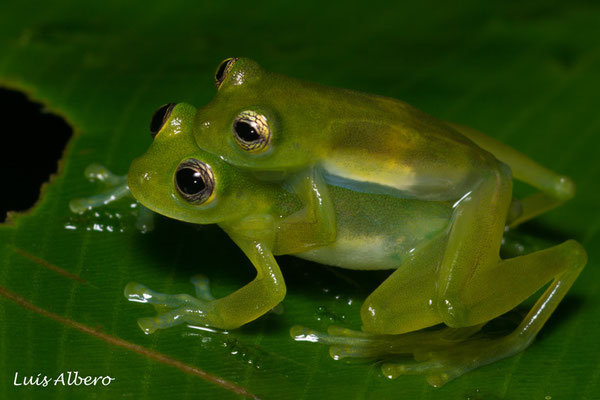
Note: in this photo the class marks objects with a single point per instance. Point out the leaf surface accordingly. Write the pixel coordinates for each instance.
(528, 73)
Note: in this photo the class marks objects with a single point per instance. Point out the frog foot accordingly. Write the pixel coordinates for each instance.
(116, 188)
(441, 354)
(443, 365)
(346, 343)
(172, 309)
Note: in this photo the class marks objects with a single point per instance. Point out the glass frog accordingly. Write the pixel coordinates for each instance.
(311, 137)
(443, 250)
(355, 181)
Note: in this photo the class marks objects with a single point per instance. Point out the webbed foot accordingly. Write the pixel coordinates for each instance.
(172, 309)
(443, 365)
(350, 343)
(441, 355)
(179, 308)
(115, 188)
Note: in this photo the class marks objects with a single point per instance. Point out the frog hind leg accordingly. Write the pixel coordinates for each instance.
(493, 293)
(394, 314)
(512, 281)
(444, 354)
(474, 240)
(554, 188)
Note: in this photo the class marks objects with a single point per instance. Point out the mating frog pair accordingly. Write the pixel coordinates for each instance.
(362, 182)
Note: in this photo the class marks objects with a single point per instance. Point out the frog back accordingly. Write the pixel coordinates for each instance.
(362, 141)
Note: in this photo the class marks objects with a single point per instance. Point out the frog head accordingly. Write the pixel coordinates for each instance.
(177, 179)
(262, 120)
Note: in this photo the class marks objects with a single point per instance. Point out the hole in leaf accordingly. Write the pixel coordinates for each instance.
(32, 142)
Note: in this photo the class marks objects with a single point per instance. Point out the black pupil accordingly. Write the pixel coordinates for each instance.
(246, 132)
(159, 118)
(221, 71)
(190, 181)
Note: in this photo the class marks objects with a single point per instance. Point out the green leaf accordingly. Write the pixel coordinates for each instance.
(526, 72)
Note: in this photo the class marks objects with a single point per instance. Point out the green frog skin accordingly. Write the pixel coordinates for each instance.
(444, 272)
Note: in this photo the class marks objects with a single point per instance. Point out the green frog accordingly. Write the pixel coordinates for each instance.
(362, 182)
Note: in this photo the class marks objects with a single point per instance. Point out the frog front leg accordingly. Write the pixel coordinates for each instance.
(259, 296)
(116, 189)
(315, 224)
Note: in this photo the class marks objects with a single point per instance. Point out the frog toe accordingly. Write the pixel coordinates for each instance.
(167, 319)
(431, 350)
(148, 325)
(98, 172)
(141, 294)
(137, 292)
(171, 309)
(435, 375)
(445, 364)
(343, 342)
(202, 285)
(83, 204)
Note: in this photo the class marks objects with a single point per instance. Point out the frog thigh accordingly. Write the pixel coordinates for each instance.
(474, 240)
(494, 292)
(403, 302)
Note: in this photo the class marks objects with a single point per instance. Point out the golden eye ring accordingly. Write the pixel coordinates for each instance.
(251, 132)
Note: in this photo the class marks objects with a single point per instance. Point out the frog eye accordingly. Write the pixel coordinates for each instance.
(223, 69)
(195, 181)
(160, 117)
(251, 131)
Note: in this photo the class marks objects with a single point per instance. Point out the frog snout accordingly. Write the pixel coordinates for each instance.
(141, 178)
